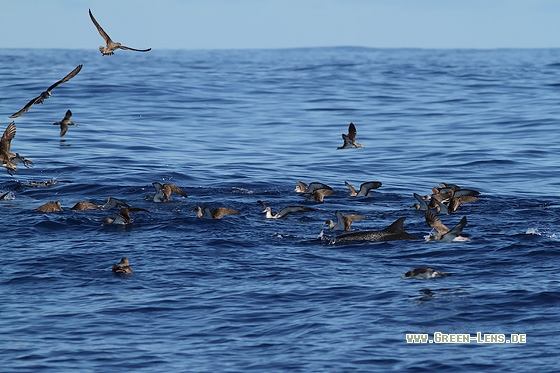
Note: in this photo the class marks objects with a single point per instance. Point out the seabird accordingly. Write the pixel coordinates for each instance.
(424, 273)
(456, 201)
(113, 203)
(285, 211)
(364, 188)
(123, 216)
(445, 234)
(44, 95)
(9, 159)
(343, 222)
(81, 206)
(422, 205)
(216, 213)
(64, 123)
(318, 194)
(49, 207)
(301, 187)
(163, 192)
(122, 267)
(110, 46)
(349, 140)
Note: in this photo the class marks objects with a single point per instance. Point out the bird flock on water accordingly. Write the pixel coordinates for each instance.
(445, 199)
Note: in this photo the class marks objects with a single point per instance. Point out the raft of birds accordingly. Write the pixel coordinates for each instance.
(446, 199)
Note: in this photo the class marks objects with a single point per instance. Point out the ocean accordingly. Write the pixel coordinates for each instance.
(249, 294)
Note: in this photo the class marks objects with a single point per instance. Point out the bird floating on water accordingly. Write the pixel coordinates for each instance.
(122, 267)
(110, 45)
(53, 206)
(217, 213)
(46, 94)
(424, 273)
(285, 211)
(163, 192)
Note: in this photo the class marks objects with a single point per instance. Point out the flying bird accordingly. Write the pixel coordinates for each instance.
(64, 123)
(110, 46)
(46, 94)
(9, 159)
(350, 139)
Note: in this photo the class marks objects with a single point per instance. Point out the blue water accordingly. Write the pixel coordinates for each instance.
(255, 295)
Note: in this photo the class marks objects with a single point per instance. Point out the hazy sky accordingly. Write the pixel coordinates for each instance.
(233, 24)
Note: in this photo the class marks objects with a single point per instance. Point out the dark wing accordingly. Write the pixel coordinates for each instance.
(353, 191)
(220, 212)
(174, 189)
(26, 107)
(292, 209)
(352, 132)
(456, 231)
(72, 74)
(434, 222)
(367, 186)
(132, 49)
(262, 203)
(423, 204)
(101, 31)
(6, 140)
(67, 115)
(63, 129)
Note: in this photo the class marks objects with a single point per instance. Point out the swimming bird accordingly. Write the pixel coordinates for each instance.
(343, 222)
(49, 207)
(122, 267)
(349, 140)
(422, 205)
(123, 216)
(445, 234)
(393, 232)
(81, 206)
(46, 94)
(285, 211)
(364, 188)
(163, 192)
(217, 213)
(424, 273)
(64, 123)
(9, 159)
(301, 187)
(111, 46)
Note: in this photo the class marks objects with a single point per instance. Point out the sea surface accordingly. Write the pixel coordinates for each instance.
(249, 294)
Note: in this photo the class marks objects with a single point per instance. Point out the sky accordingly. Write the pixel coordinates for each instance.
(257, 24)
